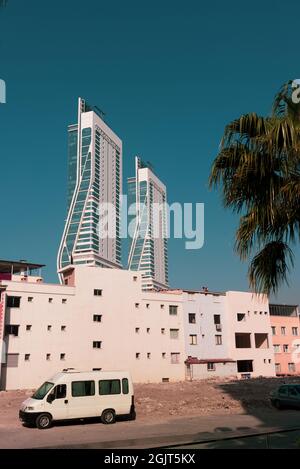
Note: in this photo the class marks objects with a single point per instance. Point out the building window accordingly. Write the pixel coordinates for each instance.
(217, 319)
(135, 279)
(63, 328)
(276, 348)
(97, 318)
(28, 327)
(148, 330)
(97, 292)
(292, 367)
(149, 355)
(241, 317)
(192, 318)
(50, 300)
(162, 306)
(12, 329)
(137, 356)
(173, 310)
(48, 356)
(30, 299)
(270, 361)
(283, 330)
(242, 340)
(285, 348)
(27, 357)
(273, 330)
(97, 344)
(175, 358)
(163, 330)
(295, 330)
(245, 366)
(277, 367)
(261, 340)
(174, 333)
(147, 306)
(64, 301)
(137, 305)
(12, 360)
(211, 366)
(218, 339)
(193, 339)
(62, 356)
(163, 354)
(49, 328)
(13, 301)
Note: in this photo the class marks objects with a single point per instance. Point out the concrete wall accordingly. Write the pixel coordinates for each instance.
(257, 320)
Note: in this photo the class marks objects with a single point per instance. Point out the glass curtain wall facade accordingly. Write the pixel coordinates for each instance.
(94, 179)
(148, 252)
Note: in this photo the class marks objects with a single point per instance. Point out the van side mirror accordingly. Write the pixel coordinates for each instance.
(50, 398)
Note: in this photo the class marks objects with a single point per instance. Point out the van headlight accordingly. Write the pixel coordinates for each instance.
(28, 408)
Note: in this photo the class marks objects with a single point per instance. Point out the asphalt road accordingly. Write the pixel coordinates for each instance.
(149, 434)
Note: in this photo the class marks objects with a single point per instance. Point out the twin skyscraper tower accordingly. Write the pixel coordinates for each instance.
(92, 233)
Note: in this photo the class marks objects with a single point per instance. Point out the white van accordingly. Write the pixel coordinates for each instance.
(78, 395)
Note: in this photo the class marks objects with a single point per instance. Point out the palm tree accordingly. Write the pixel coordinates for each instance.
(257, 170)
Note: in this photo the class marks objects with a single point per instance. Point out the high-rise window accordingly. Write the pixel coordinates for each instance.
(192, 318)
(193, 339)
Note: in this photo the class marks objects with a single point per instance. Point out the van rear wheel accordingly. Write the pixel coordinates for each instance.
(108, 416)
(43, 421)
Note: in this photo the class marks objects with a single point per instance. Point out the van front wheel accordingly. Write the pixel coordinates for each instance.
(108, 416)
(43, 421)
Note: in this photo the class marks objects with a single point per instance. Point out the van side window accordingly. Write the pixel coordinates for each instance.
(60, 391)
(125, 387)
(109, 386)
(83, 388)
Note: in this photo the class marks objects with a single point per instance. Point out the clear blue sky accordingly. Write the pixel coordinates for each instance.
(169, 75)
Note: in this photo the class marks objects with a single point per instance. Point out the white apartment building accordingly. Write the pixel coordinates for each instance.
(94, 180)
(101, 318)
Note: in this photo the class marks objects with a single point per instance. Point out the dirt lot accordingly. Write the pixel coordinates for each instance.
(160, 401)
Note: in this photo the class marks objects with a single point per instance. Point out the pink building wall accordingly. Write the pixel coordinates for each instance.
(284, 358)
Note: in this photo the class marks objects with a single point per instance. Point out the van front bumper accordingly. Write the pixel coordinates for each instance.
(28, 417)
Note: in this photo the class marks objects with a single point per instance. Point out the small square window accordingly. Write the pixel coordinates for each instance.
(211, 366)
(49, 328)
(173, 310)
(48, 356)
(63, 328)
(137, 305)
(148, 330)
(162, 306)
(163, 330)
(192, 318)
(28, 327)
(30, 299)
(164, 355)
(147, 306)
(97, 344)
(137, 330)
(135, 279)
(50, 300)
(97, 292)
(148, 355)
(62, 356)
(137, 356)
(64, 301)
(97, 318)
(27, 357)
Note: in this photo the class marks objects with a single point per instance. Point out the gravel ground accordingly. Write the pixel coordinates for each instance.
(160, 401)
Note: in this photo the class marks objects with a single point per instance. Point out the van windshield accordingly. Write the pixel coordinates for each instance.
(43, 390)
